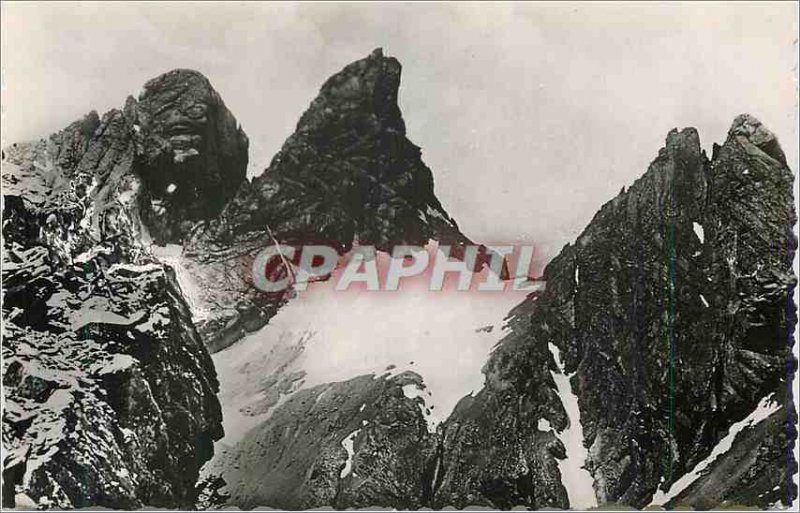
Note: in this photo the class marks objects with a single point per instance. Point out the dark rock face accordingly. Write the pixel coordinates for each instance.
(493, 452)
(672, 310)
(110, 393)
(348, 172)
(194, 154)
(752, 472)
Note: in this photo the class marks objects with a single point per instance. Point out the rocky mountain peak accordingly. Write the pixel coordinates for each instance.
(369, 84)
(348, 172)
(748, 128)
(194, 154)
(347, 175)
(686, 137)
(669, 316)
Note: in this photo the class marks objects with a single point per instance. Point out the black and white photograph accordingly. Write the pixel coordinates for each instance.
(399, 256)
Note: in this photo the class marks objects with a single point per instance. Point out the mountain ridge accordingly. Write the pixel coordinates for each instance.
(128, 240)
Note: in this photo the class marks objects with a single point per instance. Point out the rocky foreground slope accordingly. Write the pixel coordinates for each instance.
(109, 391)
(655, 369)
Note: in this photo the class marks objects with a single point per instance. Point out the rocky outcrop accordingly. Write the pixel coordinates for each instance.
(110, 394)
(348, 172)
(194, 154)
(495, 449)
(672, 310)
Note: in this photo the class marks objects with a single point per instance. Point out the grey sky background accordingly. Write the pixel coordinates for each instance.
(531, 116)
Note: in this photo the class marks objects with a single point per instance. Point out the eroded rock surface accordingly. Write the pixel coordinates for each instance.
(671, 309)
(194, 153)
(110, 394)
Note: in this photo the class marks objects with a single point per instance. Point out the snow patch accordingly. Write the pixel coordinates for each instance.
(118, 362)
(412, 391)
(438, 215)
(703, 300)
(698, 230)
(172, 255)
(576, 479)
(92, 311)
(135, 268)
(23, 501)
(544, 425)
(86, 316)
(180, 155)
(347, 443)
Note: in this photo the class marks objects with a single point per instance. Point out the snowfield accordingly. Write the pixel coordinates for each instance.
(324, 335)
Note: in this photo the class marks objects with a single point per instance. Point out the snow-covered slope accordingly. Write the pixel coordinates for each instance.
(324, 335)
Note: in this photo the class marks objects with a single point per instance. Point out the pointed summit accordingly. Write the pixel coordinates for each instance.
(348, 172)
(751, 129)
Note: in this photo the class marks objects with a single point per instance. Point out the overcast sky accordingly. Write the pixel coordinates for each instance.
(530, 116)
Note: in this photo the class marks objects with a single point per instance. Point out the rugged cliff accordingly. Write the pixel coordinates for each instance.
(674, 317)
(110, 394)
